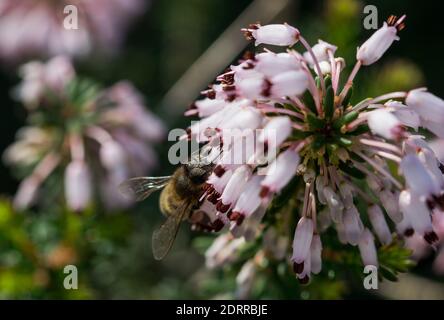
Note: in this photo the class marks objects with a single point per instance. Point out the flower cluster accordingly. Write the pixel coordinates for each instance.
(328, 152)
(30, 28)
(93, 134)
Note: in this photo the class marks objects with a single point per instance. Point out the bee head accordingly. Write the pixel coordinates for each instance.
(198, 173)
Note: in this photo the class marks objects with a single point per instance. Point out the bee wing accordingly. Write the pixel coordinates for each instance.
(163, 238)
(140, 188)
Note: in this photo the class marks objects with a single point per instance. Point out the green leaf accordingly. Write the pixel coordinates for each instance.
(347, 97)
(329, 101)
(314, 122)
(346, 119)
(351, 170)
(344, 141)
(309, 102)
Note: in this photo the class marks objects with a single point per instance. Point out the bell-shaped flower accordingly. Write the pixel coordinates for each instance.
(416, 212)
(426, 104)
(353, 226)
(404, 114)
(418, 177)
(235, 185)
(389, 201)
(316, 254)
(375, 46)
(249, 200)
(385, 124)
(271, 64)
(320, 50)
(280, 172)
(379, 224)
(275, 34)
(302, 240)
(290, 83)
(367, 249)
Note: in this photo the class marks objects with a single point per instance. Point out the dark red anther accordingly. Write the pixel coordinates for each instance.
(222, 207)
(219, 171)
(264, 192)
(217, 225)
(304, 280)
(298, 267)
(266, 91)
(213, 197)
(431, 237)
(409, 232)
(240, 219)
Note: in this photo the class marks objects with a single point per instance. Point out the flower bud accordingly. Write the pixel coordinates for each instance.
(320, 51)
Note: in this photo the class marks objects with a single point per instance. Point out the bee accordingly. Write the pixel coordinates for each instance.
(180, 196)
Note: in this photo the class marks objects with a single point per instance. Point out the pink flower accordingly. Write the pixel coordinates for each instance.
(303, 236)
(280, 172)
(373, 49)
(428, 106)
(113, 131)
(274, 34)
(383, 123)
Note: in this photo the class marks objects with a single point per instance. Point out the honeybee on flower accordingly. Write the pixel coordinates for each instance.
(326, 151)
(95, 137)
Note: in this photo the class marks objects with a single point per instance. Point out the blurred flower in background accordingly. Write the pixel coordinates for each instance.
(36, 28)
(98, 137)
